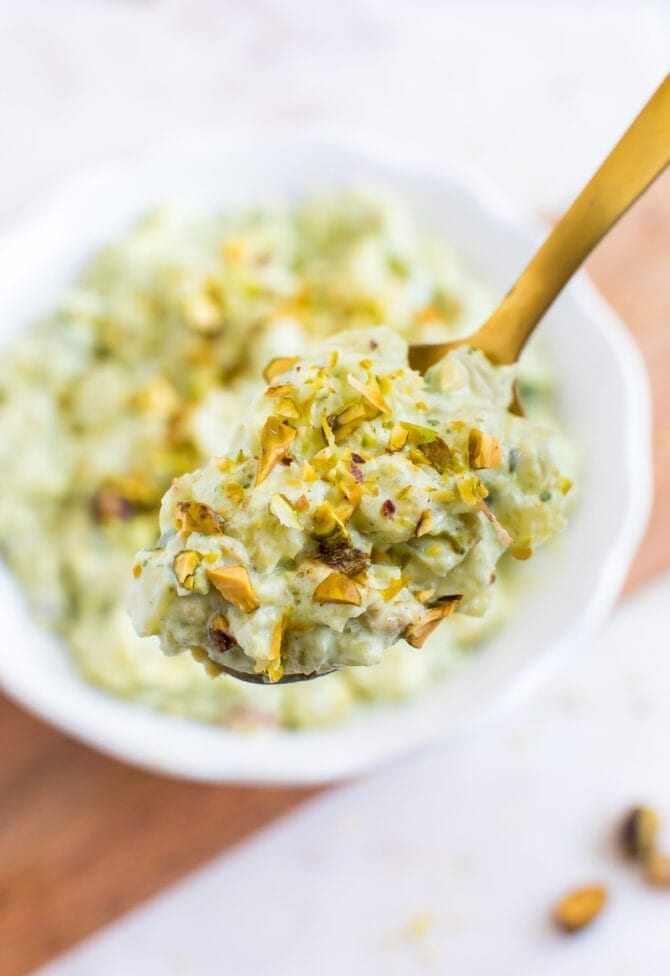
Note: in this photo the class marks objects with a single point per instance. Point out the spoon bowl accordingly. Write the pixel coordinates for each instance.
(639, 158)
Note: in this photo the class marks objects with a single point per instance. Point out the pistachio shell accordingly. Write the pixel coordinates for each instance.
(184, 567)
(417, 634)
(484, 450)
(197, 517)
(327, 527)
(397, 438)
(425, 523)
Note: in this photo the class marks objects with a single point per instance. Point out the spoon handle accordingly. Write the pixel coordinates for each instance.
(635, 162)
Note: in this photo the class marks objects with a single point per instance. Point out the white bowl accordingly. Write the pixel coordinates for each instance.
(604, 402)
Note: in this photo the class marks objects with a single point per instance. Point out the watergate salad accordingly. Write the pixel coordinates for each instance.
(142, 373)
(359, 504)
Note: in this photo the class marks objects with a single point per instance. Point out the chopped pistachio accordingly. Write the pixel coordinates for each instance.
(234, 585)
(280, 390)
(370, 393)
(282, 364)
(185, 564)
(484, 450)
(397, 438)
(471, 490)
(276, 439)
(197, 517)
(327, 527)
(337, 588)
(437, 453)
(417, 634)
(286, 407)
(425, 523)
(419, 434)
(284, 511)
(580, 907)
(521, 552)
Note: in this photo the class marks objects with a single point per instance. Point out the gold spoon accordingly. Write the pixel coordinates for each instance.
(635, 162)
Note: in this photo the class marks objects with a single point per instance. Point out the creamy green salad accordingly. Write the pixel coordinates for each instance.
(143, 371)
(359, 504)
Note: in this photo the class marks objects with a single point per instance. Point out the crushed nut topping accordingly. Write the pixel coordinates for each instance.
(275, 368)
(418, 633)
(234, 585)
(337, 588)
(198, 517)
(276, 439)
(388, 508)
(184, 566)
(484, 450)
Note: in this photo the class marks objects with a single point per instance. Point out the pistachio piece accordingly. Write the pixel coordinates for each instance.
(277, 366)
(284, 511)
(275, 669)
(418, 434)
(637, 834)
(521, 552)
(328, 527)
(280, 390)
(370, 394)
(425, 523)
(397, 438)
(393, 589)
(218, 634)
(276, 439)
(234, 585)
(484, 450)
(417, 634)
(184, 567)
(471, 490)
(286, 407)
(337, 588)
(388, 508)
(438, 455)
(198, 517)
(580, 907)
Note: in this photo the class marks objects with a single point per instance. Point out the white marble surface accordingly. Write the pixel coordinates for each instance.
(447, 863)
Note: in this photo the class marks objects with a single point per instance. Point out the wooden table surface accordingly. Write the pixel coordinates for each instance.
(84, 838)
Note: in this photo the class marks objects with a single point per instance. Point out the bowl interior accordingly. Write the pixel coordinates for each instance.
(567, 589)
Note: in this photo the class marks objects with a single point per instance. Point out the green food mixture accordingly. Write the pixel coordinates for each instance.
(142, 373)
(350, 512)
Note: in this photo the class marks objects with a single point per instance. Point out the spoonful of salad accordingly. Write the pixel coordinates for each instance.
(363, 500)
